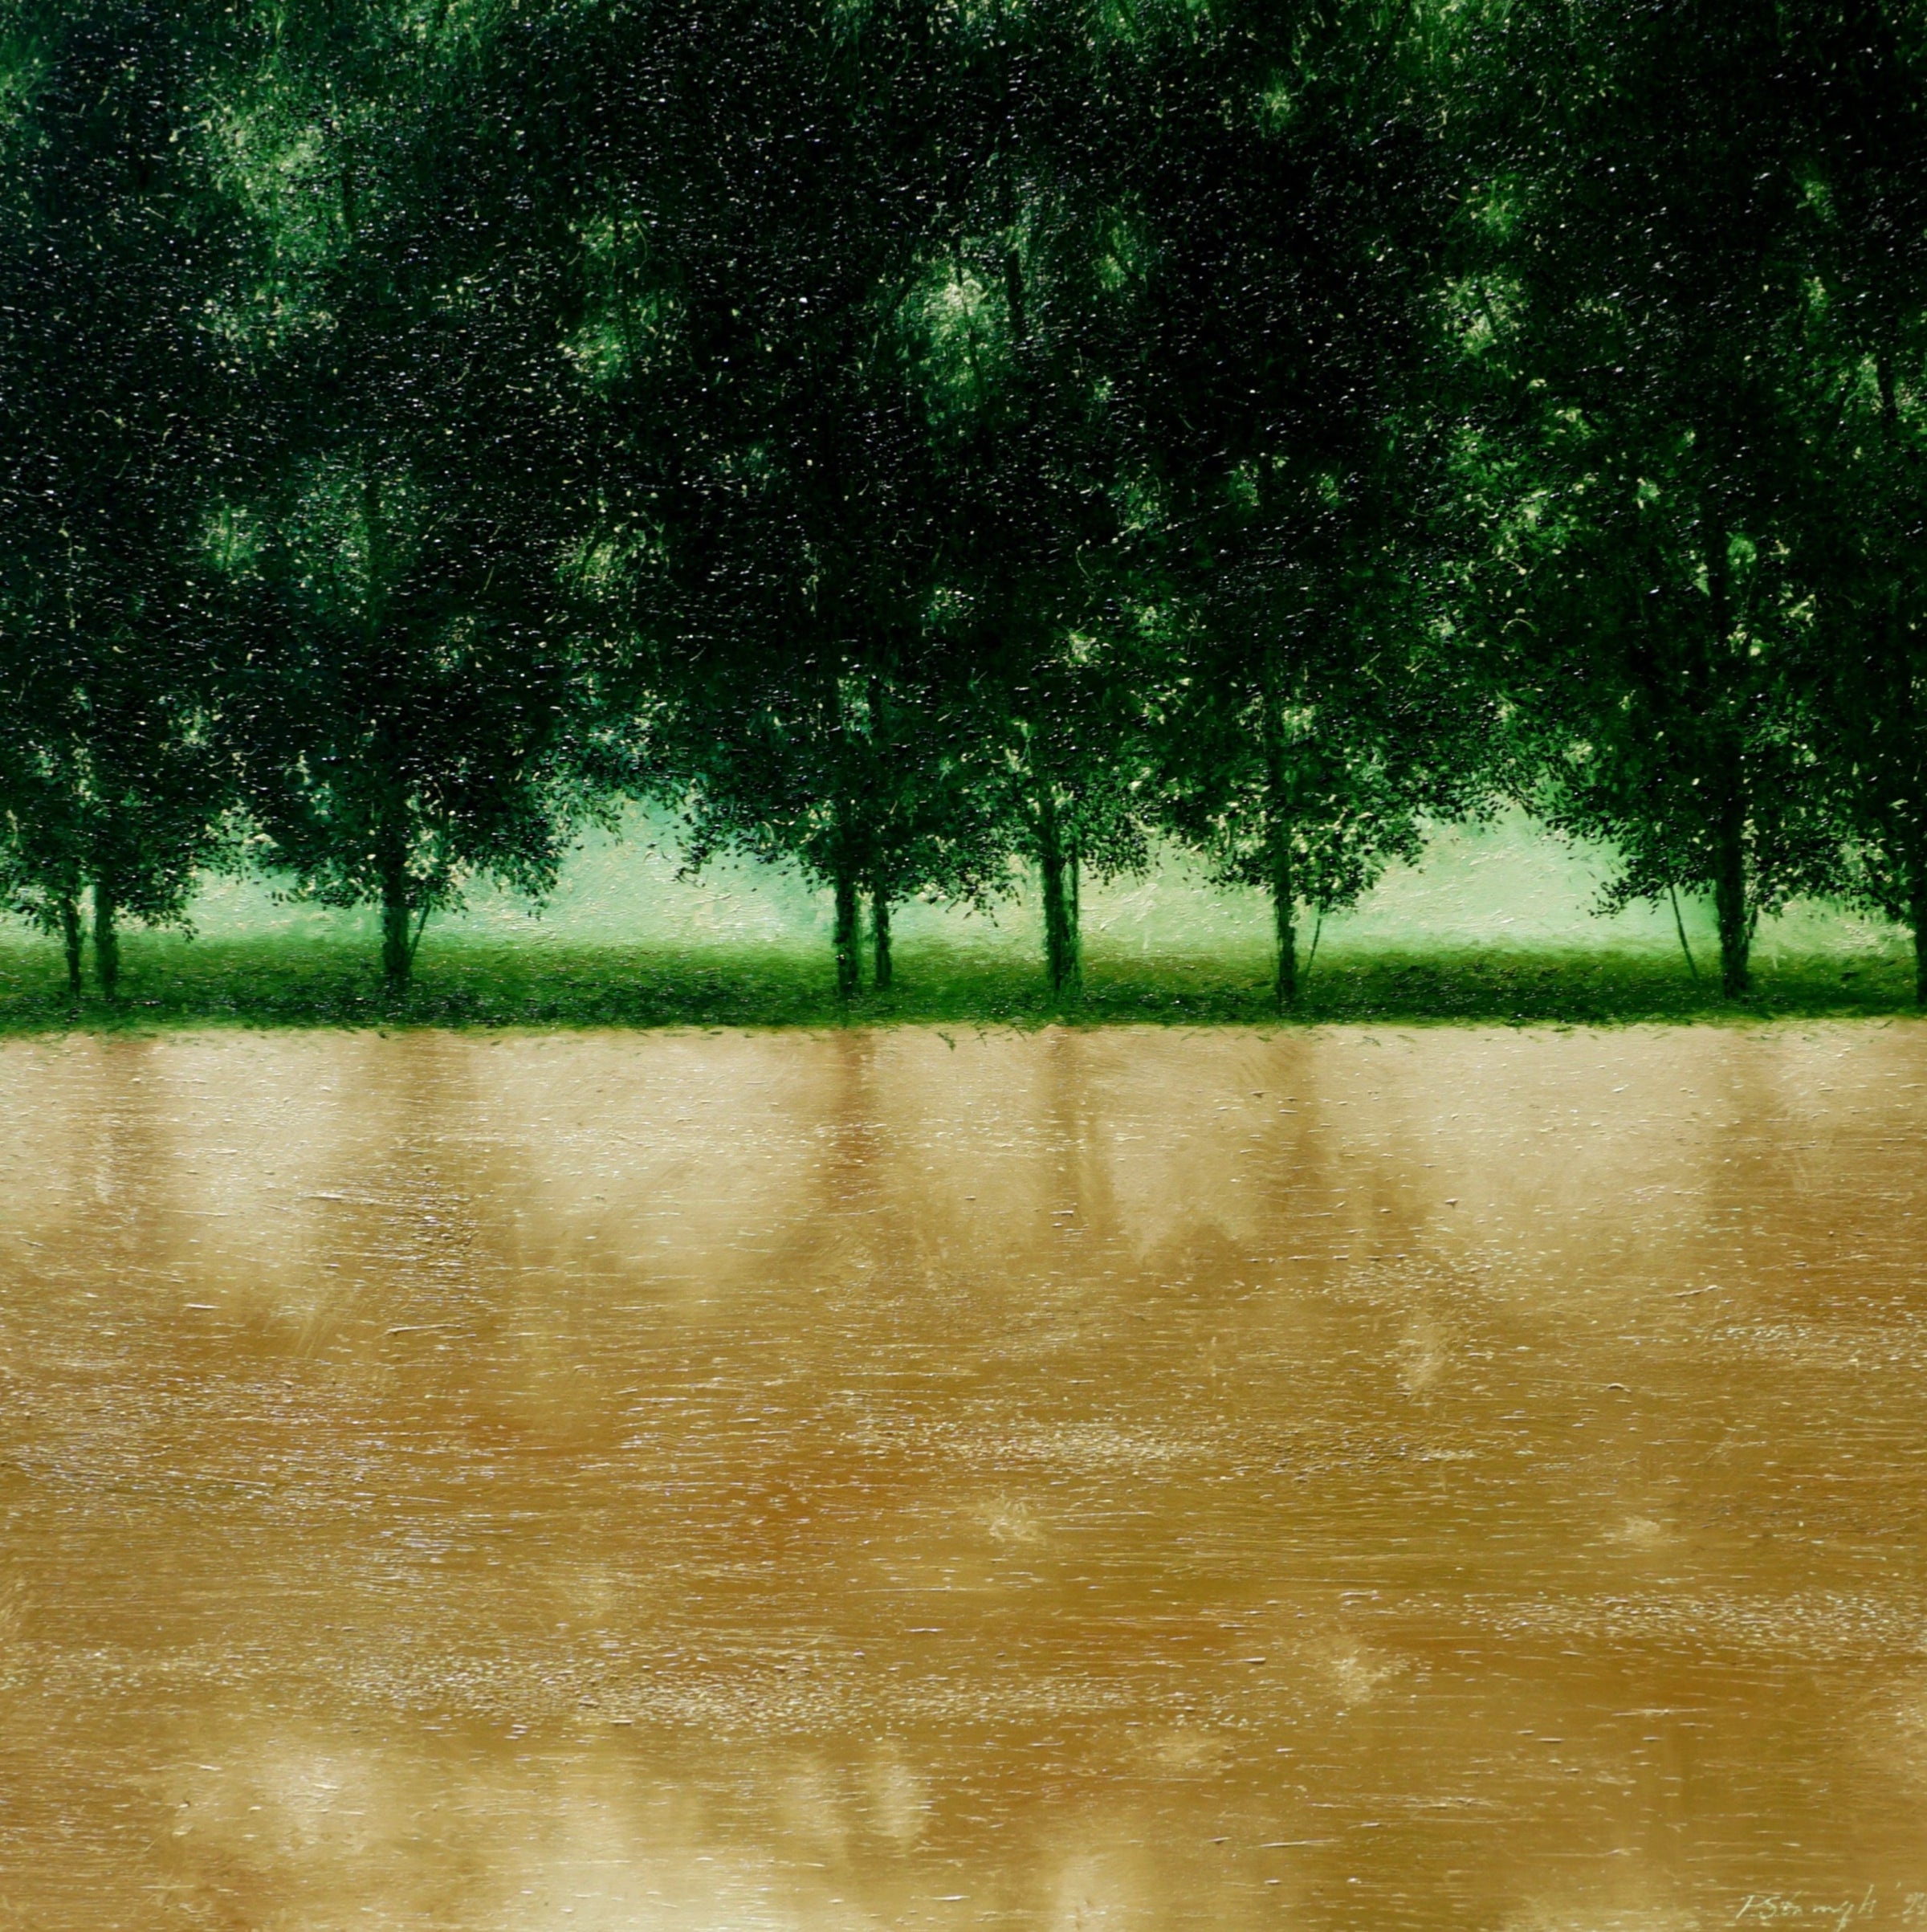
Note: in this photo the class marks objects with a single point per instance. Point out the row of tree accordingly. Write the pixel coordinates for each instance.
(936, 441)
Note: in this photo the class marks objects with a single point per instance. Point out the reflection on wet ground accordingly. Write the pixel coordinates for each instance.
(1447, 1479)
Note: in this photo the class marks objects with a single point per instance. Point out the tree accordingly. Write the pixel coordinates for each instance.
(770, 509)
(1017, 325)
(1277, 178)
(413, 682)
(1642, 294)
(118, 262)
(1861, 388)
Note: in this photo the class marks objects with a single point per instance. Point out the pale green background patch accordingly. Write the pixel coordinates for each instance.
(1508, 885)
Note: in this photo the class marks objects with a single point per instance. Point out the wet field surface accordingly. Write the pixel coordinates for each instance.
(1462, 1478)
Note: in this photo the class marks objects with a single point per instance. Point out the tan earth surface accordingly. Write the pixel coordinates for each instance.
(1455, 1478)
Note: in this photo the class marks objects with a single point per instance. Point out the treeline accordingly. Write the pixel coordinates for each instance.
(941, 444)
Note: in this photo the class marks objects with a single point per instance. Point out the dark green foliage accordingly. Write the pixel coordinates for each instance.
(1860, 144)
(940, 447)
(118, 267)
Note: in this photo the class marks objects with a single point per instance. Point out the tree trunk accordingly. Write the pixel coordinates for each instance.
(71, 934)
(107, 939)
(1279, 875)
(1057, 875)
(1919, 884)
(879, 937)
(1284, 908)
(397, 954)
(1900, 657)
(848, 965)
(1729, 896)
(1074, 923)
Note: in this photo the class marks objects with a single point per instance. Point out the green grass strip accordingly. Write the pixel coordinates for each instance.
(168, 982)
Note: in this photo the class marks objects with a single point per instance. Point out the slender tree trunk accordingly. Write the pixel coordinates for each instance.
(397, 954)
(1731, 909)
(1900, 656)
(71, 935)
(106, 939)
(1284, 907)
(1280, 876)
(879, 938)
(1679, 925)
(1918, 882)
(1057, 877)
(1073, 924)
(848, 963)
(1914, 831)
(1729, 896)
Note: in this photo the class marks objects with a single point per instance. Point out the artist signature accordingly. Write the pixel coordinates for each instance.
(1761, 1908)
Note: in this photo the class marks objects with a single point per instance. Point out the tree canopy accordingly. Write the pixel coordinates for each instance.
(947, 448)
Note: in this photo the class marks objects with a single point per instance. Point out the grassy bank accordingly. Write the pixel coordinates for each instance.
(278, 980)
(1497, 923)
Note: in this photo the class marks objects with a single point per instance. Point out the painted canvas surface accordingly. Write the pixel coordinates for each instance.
(961, 964)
